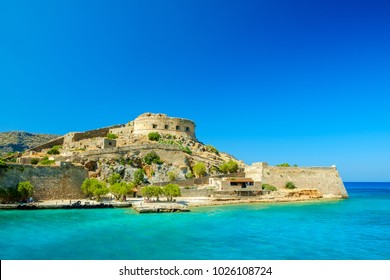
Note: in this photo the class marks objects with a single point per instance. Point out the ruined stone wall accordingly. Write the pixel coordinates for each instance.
(325, 179)
(55, 142)
(163, 124)
(73, 137)
(255, 171)
(49, 182)
(123, 131)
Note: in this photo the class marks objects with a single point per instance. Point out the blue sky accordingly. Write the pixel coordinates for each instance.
(305, 82)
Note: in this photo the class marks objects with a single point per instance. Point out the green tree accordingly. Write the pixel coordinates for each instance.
(171, 191)
(199, 169)
(147, 192)
(229, 167)
(114, 178)
(121, 189)
(154, 136)
(139, 176)
(152, 157)
(94, 187)
(99, 189)
(156, 192)
(151, 191)
(25, 189)
(172, 176)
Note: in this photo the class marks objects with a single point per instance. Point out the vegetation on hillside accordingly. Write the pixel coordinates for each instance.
(152, 157)
(199, 169)
(16, 141)
(229, 167)
(154, 136)
(111, 136)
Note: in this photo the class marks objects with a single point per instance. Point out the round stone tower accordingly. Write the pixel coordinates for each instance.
(161, 123)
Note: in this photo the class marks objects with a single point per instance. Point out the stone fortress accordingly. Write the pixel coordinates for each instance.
(121, 149)
(126, 134)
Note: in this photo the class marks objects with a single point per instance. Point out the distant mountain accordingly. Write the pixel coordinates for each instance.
(17, 141)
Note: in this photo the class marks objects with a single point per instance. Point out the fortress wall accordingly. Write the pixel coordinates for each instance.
(50, 182)
(72, 137)
(58, 141)
(124, 131)
(101, 132)
(147, 123)
(325, 179)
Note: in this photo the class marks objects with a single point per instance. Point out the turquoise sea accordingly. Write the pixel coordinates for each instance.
(356, 228)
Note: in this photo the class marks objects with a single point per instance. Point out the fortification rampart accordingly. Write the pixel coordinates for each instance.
(58, 141)
(325, 179)
(71, 138)
(49, 182)
(161, 123)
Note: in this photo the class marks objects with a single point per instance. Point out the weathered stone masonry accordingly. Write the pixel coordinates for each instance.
(325, 179)
(49, 182)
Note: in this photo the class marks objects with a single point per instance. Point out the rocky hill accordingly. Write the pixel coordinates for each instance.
(18, 141)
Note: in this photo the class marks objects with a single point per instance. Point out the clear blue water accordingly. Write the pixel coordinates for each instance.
(356, 228)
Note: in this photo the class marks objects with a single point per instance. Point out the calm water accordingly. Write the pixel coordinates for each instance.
(357, 228)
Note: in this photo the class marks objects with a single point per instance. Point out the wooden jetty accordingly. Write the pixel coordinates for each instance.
(159, 207)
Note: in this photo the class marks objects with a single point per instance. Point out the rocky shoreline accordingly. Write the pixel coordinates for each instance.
(277, 197)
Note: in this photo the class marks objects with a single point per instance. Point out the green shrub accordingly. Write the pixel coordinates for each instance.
(171, 191)
(268, 187)
(154, 136)
(3, 165)
(54, 150)
(189, 175)
(199, 169)
(290, 185)
(152, 157)
(139, 176)
(25, 189)
(34, 161)
(46, 161)
(212, 149)
(186, 150)
(172, 176)
(112, 136)
(285, 164)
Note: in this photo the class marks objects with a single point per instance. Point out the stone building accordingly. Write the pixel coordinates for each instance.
(125, 133)
(163, 124)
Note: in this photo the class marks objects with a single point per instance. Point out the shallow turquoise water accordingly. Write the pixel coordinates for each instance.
(356, 228)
